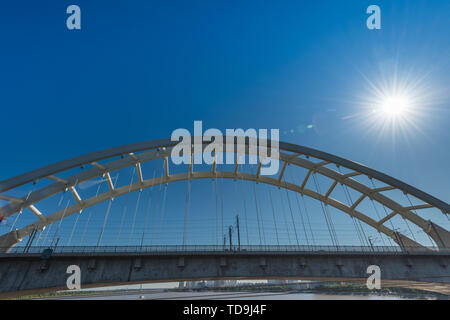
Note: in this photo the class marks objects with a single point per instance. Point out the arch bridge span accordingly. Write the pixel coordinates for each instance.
(134, 155)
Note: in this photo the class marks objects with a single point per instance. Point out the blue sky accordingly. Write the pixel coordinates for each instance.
(137, 70)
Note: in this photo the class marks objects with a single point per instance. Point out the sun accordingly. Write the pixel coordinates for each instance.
(392, 106)
(395, 105)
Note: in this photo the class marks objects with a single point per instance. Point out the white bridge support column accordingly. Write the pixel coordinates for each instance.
(439, 233)
(8, 241)
(408, 244)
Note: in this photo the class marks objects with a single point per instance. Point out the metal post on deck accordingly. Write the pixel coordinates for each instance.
(230, 230)
(238, 233)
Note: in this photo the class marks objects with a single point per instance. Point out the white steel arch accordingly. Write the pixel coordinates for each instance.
(135, 154)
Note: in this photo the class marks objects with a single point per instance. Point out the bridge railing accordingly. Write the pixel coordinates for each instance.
(161, 249)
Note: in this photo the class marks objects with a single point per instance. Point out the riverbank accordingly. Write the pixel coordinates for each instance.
(332, 291)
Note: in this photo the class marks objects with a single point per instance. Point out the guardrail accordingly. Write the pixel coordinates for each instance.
(225, 249)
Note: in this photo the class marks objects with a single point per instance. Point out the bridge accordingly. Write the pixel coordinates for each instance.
(326, 223)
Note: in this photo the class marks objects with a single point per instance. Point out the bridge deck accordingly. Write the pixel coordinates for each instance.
(221, 250)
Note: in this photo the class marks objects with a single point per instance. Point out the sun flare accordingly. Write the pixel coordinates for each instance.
(397, 105)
